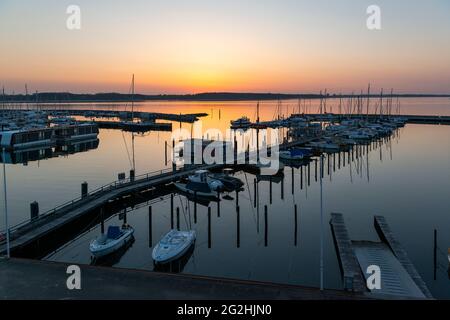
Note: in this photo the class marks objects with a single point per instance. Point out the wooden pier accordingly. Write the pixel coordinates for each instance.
(351, 272)
(387, 236)
(399, 278)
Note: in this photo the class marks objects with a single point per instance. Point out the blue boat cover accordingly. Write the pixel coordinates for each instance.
(113, 232)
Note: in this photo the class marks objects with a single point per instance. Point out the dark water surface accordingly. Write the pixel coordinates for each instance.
(406, 179)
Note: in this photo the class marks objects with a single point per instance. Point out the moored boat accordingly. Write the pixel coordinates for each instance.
(173, 246)
(112, 241)
(241, 123)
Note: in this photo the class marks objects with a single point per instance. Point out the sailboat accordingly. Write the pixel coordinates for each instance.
(140, 126)
(112, 241)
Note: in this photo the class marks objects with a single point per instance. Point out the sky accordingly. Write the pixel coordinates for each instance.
(182, 46)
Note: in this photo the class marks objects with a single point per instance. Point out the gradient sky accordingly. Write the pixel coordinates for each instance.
(189, 46)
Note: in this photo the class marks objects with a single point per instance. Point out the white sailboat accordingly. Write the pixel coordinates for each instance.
(112, 241)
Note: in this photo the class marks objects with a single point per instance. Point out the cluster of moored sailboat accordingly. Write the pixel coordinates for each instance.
(175, 243)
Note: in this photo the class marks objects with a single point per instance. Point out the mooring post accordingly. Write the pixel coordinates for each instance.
(235, 150)
(165, 152)
(125, 216)
(150, 231)
(237, 198)
(195, 207)
(254, 192)
(178, 218)
(435, 254)
(334, 162)
(102, 221)
(209, 227)
(171, 208)
(84, 189)
(309, 174)
(34, 210)
(328, 164)
(218, 205)
(174, 165)
(315, 170)
(238, 228)
(292, 180)
(270, 189)
(295, 223)
(301, 177)
(265, 226)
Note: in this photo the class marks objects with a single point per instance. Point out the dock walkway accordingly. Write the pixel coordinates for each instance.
(351, 271)
(32, 279)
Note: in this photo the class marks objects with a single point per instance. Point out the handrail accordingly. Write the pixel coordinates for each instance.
(117, 184)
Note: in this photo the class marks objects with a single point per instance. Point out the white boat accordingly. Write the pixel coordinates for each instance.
(323, 145)
(203, 176)
(295, 154)
(201, 184)
(243, 122)
(108, 243)
(173, 246)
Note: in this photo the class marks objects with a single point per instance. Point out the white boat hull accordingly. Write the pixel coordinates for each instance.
(182, 187)
(165, 252)
(99, 250)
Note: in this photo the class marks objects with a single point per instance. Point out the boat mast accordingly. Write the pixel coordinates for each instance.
(8, 255)
(132, 98)
(368, 102)
(381, 103)
(321, 223)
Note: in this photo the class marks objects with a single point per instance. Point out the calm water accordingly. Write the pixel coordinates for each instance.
(407, 180)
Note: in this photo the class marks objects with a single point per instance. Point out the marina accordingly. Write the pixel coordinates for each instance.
(43, 237)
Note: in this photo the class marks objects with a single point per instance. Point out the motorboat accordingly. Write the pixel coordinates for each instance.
(295, 154)
(112, 241)
(324, 145)
(173, 246)
(201, 184)
(230, 183)
(241, 123)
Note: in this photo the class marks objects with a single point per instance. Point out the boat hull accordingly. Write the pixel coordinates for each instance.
(99, 251)
(161, 257)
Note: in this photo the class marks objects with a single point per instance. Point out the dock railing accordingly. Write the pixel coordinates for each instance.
(78, 201)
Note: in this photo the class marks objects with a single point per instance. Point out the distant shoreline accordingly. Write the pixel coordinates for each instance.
(65, 97)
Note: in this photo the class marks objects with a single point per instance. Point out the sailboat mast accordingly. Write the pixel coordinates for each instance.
(381, 103)
(257, 112)
(132, 98)
(6, 205)
(368, 102)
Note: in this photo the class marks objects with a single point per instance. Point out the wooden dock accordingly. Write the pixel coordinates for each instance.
(351, 272)
(387, 236)
(399, 278)
(31, 231)
(414, 119)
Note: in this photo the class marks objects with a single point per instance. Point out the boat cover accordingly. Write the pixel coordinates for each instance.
(114, 232)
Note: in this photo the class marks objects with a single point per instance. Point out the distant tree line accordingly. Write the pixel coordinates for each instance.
(211, 96)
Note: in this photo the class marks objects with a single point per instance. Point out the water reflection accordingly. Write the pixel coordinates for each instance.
(24, 156)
